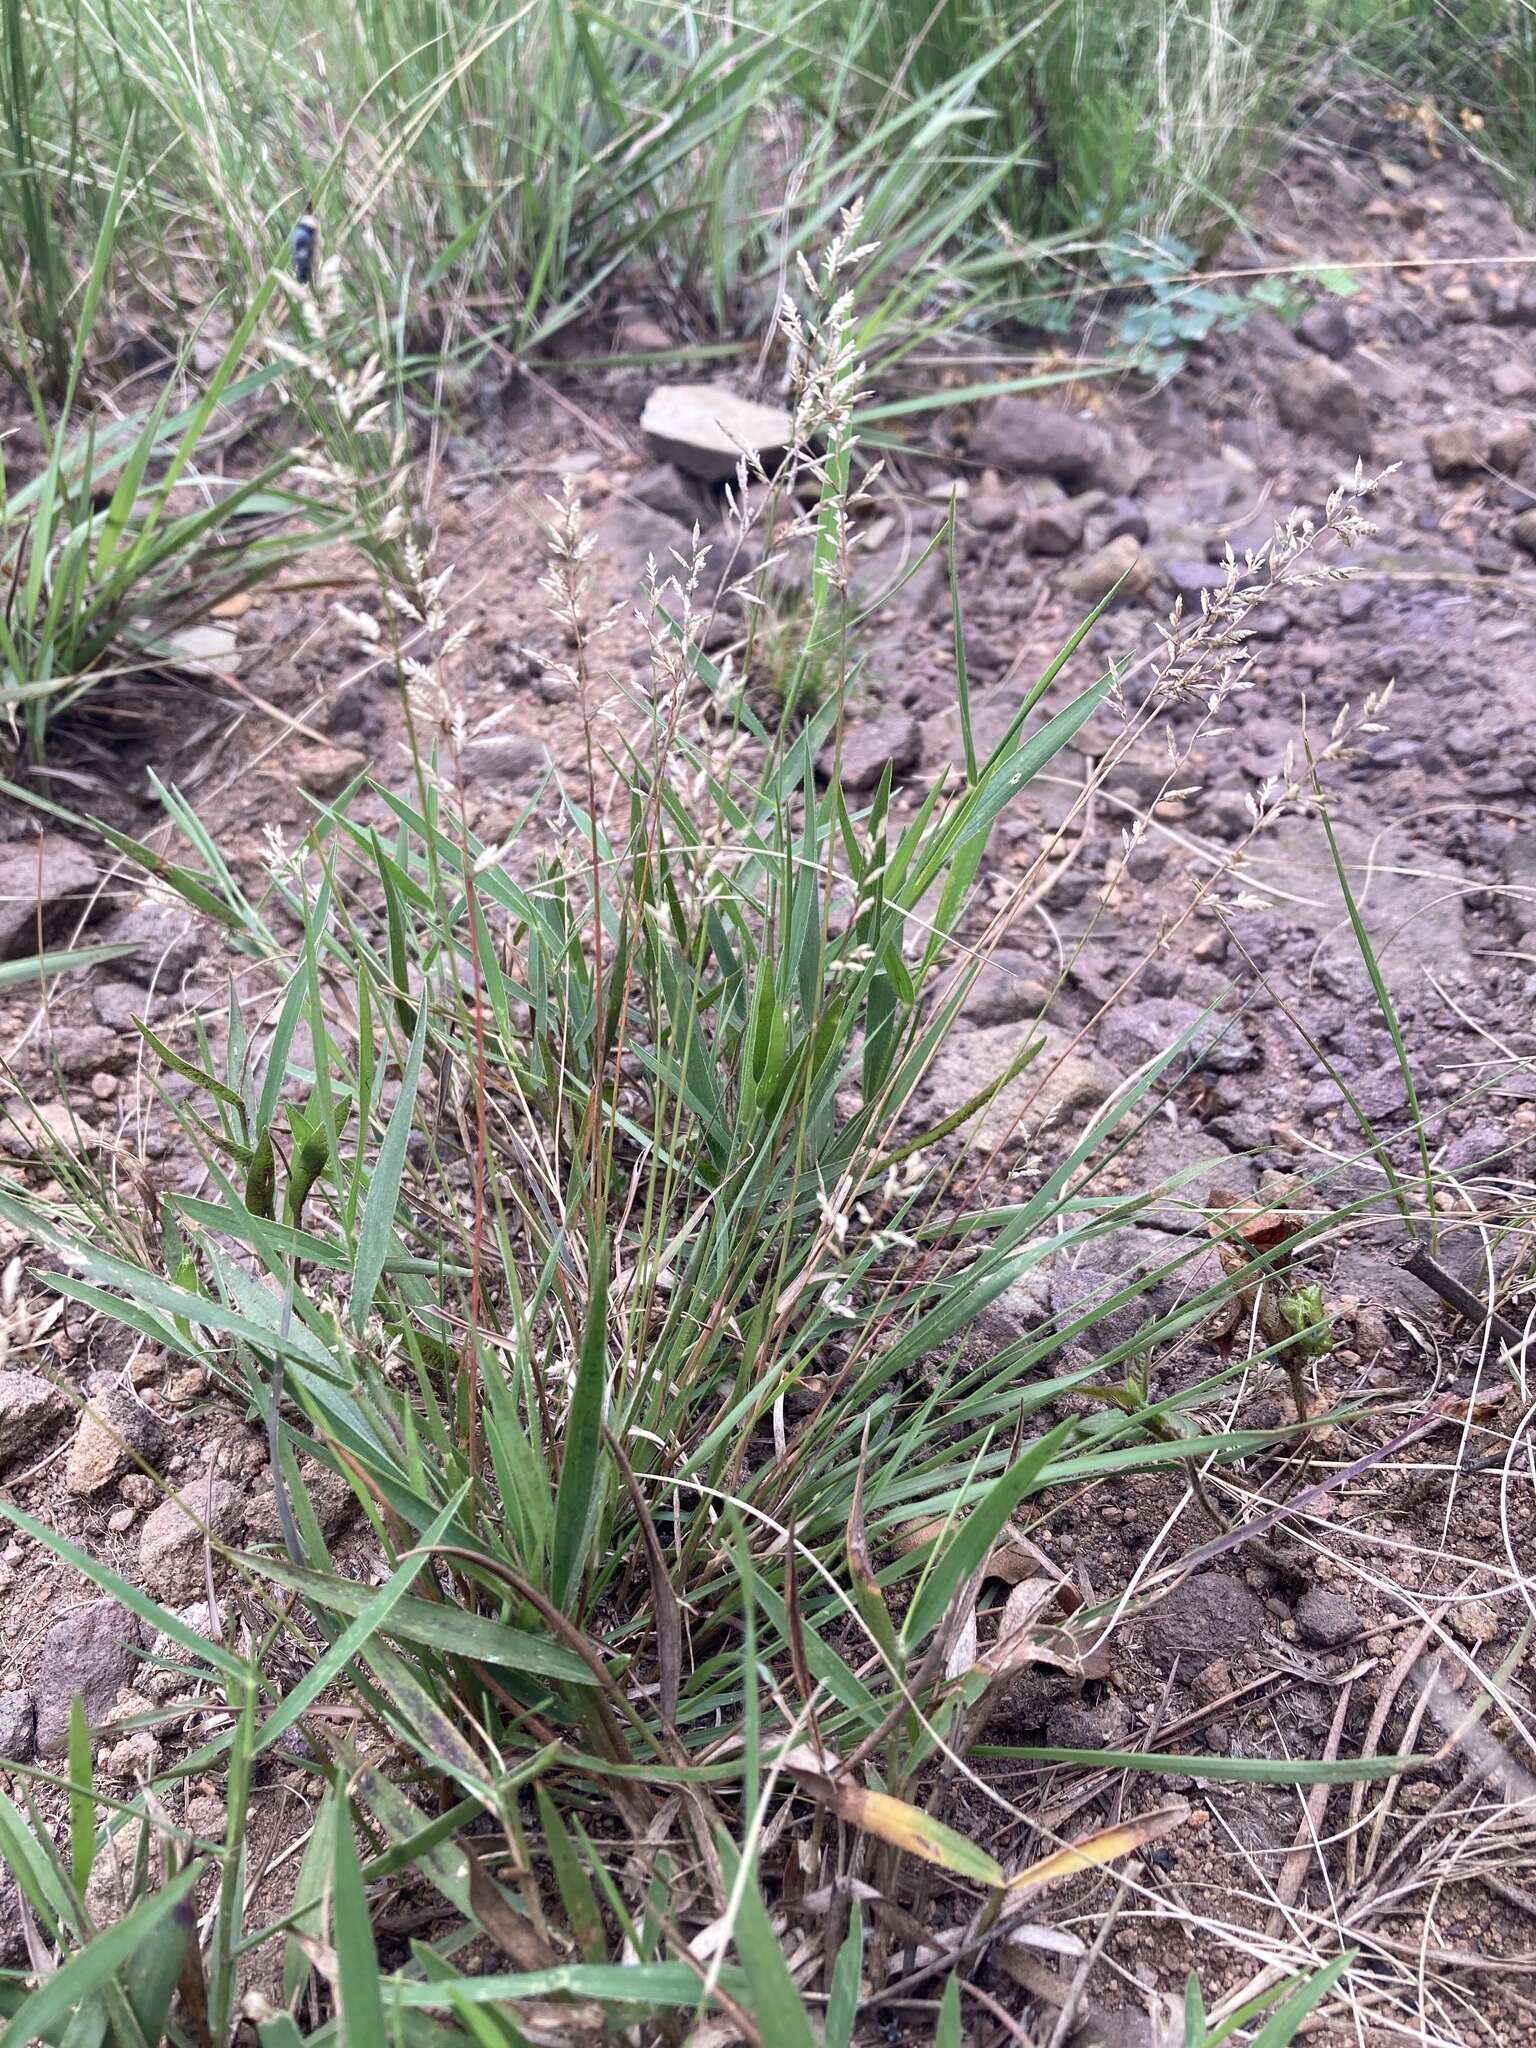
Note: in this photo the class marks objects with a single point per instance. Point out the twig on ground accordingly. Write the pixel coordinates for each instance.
(1294, 1870)
(1450, 1289)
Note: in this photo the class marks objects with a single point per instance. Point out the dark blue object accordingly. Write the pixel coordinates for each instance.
(305, 236)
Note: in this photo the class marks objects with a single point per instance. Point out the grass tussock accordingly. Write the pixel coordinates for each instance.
(566, 1206)
(567, 1203)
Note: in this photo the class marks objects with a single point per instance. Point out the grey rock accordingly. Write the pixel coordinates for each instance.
(991, 511)
(1523, 531)
(31, 1409)
(351, 710)
(1325, 327)
(876, 573)
(18, 1725)
(81, 1050)
(1191, 580)
(48, 877)
(1054, 1084)
(1031, 437)
(13, 1941)
(1163, 975)
(1512, 380)
(1479, 1146)
(89, 1652)
(1074, 1725)
(169, 942)
(1466, 447)
(116, 1004)
(112, 1430)
(1167, 1271)
(1211, 1615)
(1383, 1283)
(1410, 902)
(1326, 1619)
(1054, 529)
(1268, 622)
(1320, 397)
(1008, 988)
(895, 737)
(1225, 813)
(1188, 1172)
(1114, 2026)
(503, 756)
(325, 771)
(1241, 1132)
(703, 427)
(664, 490)
(1383, 1092)
(1121, 516)
(171, 1541)
(330, 1497)
(1119, 561)
(1140, 1031)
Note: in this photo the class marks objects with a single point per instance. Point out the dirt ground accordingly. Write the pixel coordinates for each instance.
(1409, 1593)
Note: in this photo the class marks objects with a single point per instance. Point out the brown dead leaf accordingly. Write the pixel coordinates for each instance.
(1043, 1644)
(1106, 1846)
(905, 1827)
(1035, 1629)
(1012, 1558)
(1236, 1223)
(234, 607)
(524, 1947)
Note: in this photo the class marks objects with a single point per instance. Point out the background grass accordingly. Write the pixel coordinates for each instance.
(513, 169)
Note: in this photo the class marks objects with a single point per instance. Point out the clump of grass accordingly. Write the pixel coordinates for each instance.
(123, 537)
(562, 1198)
(1156, 117)
(1467, 68)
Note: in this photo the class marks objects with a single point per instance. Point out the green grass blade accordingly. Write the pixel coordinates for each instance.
(357, 1962)
(577, 1495)
(376, 1233)
(94, 1965)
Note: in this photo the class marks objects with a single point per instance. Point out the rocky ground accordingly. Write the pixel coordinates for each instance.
(1429, 372)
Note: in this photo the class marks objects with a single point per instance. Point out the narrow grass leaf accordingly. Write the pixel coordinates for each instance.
(82, 1804)
(843, 1996)
(377, 1232)
(160, 1619)
(93, 1966)
(16, 973)
(351, 1641)
(1097, 1850)
(905, 1827)
(576, 1496)
(1282, 2027)
(357, 1962)
(947, 2033)
(776, 2004)
(972, 1543)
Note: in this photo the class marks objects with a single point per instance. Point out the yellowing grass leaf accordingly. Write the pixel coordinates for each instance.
(1093, 1852)
(904, 1827)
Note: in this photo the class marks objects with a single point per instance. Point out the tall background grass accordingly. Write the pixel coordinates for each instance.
(515, 167)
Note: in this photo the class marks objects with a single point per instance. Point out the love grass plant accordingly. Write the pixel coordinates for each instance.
(569, 1200)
